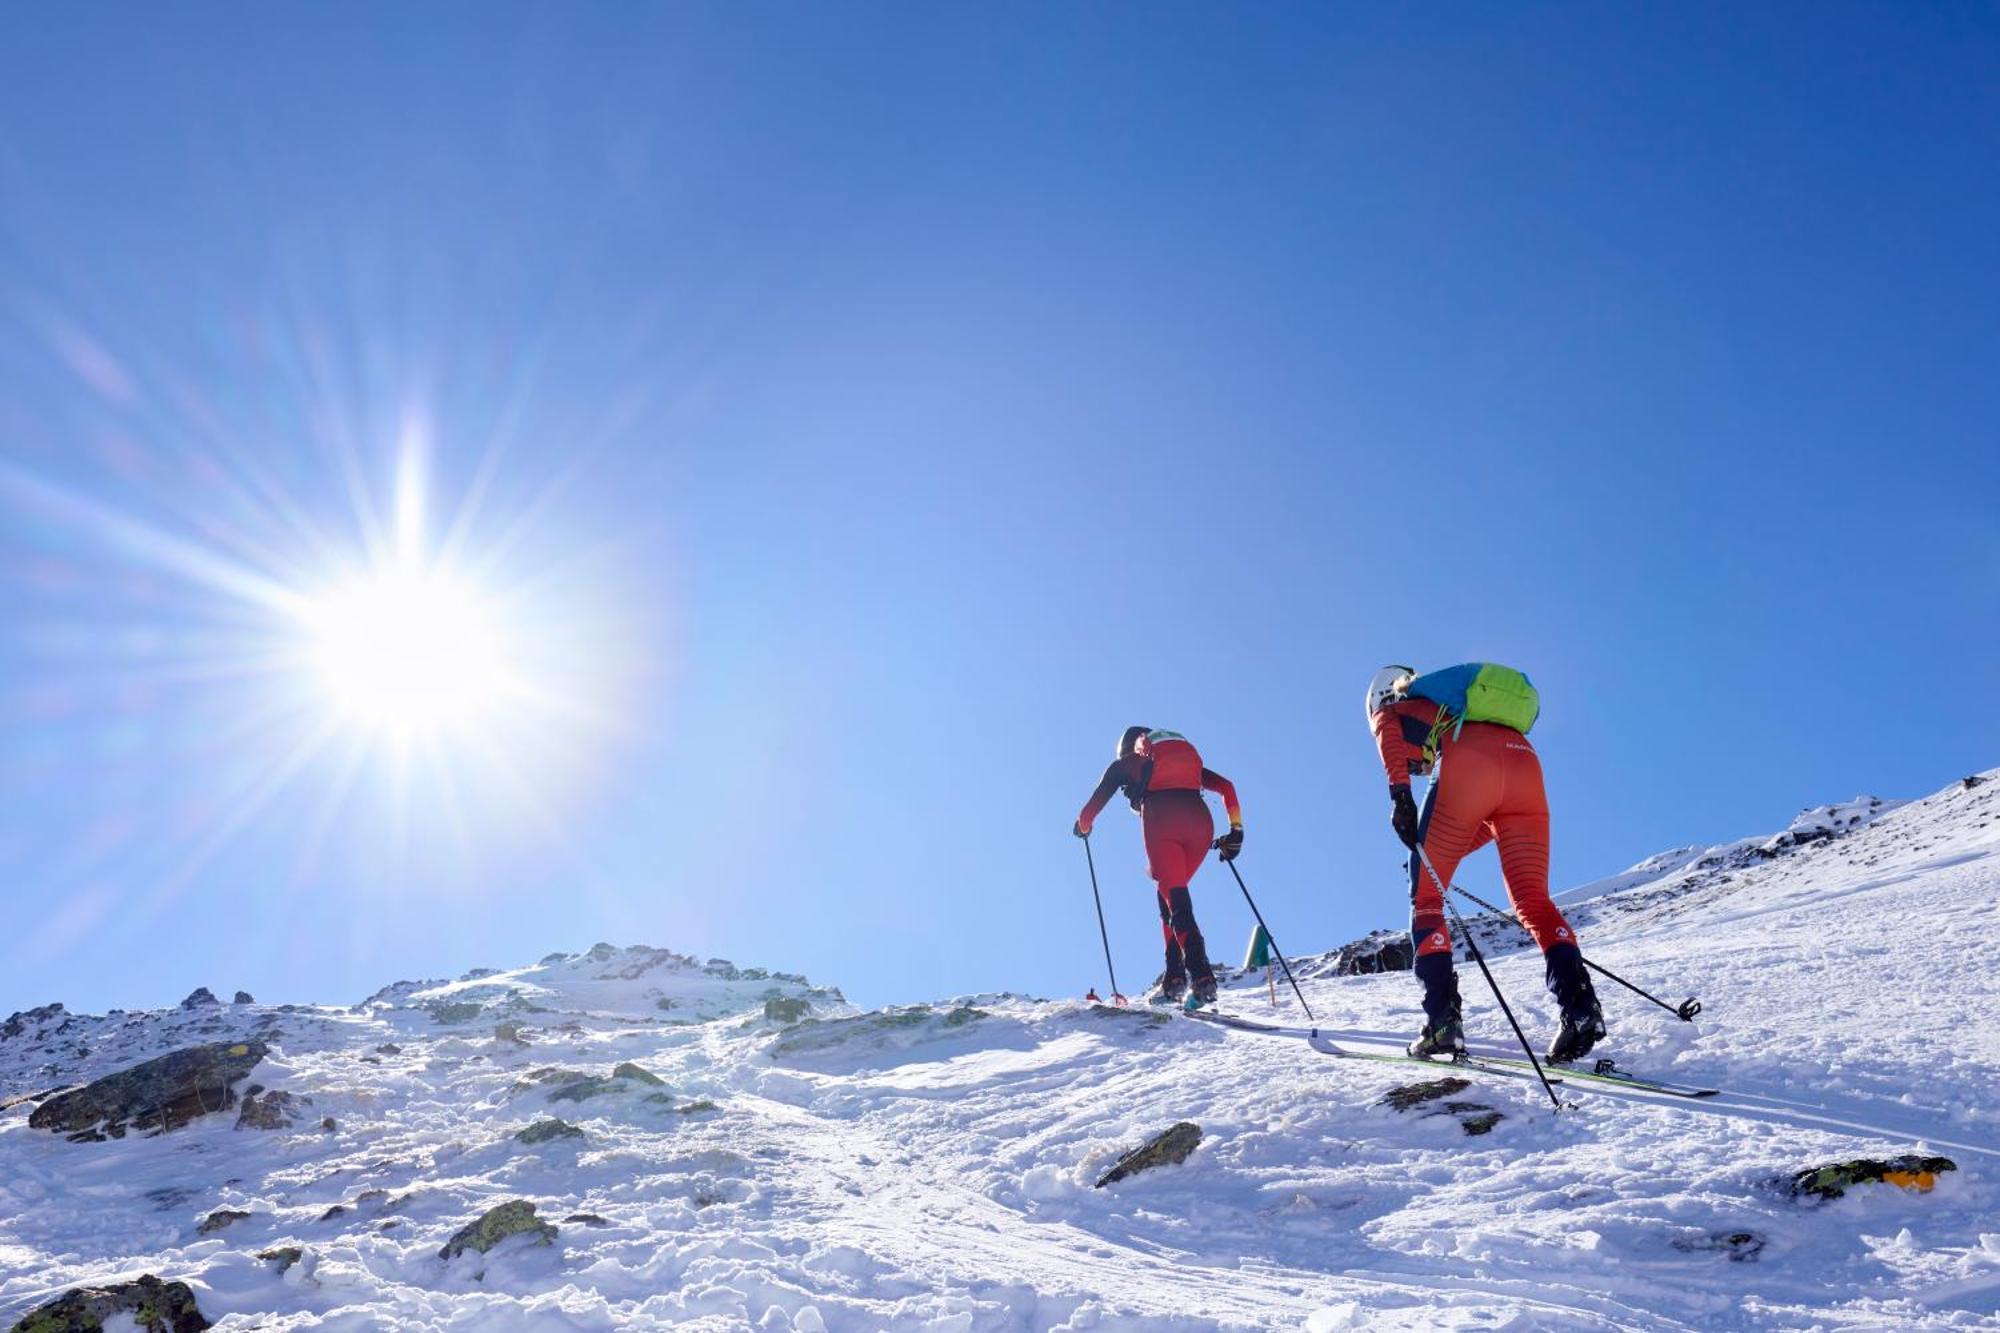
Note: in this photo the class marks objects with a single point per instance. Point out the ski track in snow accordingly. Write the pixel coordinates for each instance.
(933, 1168)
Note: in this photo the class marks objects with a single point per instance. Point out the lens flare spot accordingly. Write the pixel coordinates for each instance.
(410, 650)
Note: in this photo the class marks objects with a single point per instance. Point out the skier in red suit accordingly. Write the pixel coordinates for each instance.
(1487, 787)
(1161, 774)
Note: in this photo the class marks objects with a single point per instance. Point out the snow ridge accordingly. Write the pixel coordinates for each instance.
(722, 1147)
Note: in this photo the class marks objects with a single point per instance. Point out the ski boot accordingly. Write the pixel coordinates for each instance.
(1202, 996)
(1582, 1029)
(1582, 1019)
(1446, 1039)
(1169, 990)
(1444, 1029)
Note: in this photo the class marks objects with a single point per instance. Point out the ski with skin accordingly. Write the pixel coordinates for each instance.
(1617, 1078)
(1498, 1064)
(1326, 1046)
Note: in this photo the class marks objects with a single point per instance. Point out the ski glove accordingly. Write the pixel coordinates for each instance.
(1403, 816)
(1079, 830)
(1229, 844)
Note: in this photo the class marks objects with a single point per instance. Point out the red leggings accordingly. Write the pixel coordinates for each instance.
(1178, 829)
(1488, 789)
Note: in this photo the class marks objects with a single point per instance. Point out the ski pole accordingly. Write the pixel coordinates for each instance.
(1275, 951)
(1472, 947)
(1685, 1011)
(1117, 996)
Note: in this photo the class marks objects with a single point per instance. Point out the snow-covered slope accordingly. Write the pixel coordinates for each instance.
(801, 1165)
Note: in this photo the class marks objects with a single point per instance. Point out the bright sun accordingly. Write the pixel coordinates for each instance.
(410, 650)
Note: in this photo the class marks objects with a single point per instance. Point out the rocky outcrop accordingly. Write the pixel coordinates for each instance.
(219, 1219)
(271, 1110)
(1909, 1171)
(284, 1256)
(156, 1096)
(1412, 1095)
(1380, 951)
(514, 1218)
(787, 1009)
(158, 1307)
(1741, 1247)
(244, 997)
(628, 1070)
(201, 998)
(30, 1018)
(542, 1131)
(581, 1088)
(1170, 1147)
(1473, 1117)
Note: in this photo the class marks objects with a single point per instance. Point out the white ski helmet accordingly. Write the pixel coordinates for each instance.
(1386, 686)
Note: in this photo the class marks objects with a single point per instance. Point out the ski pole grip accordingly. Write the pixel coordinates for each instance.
(1689, 1008)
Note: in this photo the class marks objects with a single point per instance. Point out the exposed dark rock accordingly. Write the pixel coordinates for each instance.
(284, 1256)
(159, 1307)
(329, 1125)
(271, 1110)
(37, 1097)
(1379, 951)
(338, 1210)
(219, 1219)
(1474, 1118)
(514, 1218)
(1742, 1247)
(692, 1108)
(27, 1018)
(548, 1074)
(1412, 1095)
(1909, 1171)
(542, 1131)
(1170, 1147)
(1138, 1013)
(583, 1089)
(159, 1095)
(244, 997)
(200, 998)
(459, 1011)
(169, 1197)
(634, 1072)
(1969, 783)
(366, 1197)
(388, 1048)
(587, 1219)
(786, 1009)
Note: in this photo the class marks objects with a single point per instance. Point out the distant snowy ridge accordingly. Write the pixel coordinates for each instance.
(1645, 888)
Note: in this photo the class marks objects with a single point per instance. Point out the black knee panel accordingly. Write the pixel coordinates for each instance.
(1179, 909)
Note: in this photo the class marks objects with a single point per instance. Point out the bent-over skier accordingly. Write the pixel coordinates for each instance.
(1466, 726)
(1161, 774)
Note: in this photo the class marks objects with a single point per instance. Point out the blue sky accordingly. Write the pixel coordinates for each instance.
(863, 413)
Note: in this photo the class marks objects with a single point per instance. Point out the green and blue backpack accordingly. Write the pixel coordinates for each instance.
(1481, 692)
